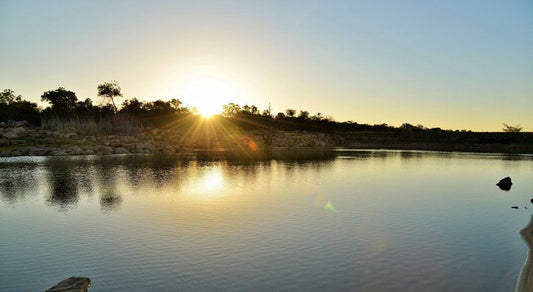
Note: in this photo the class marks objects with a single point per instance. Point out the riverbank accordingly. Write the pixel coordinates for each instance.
(19, 139)
(22, 140)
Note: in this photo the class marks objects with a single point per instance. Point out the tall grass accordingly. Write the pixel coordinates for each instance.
(115, 125)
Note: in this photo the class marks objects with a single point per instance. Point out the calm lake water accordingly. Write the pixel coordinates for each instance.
(341, 220)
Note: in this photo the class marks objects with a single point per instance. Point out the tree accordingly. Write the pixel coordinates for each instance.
(231, 110)
(8, 96)
(304, 115)
(511, 129)
(175, 103)
(109, 91)
(317, 117)
(132, 106)
(63, 101)
(409, 127)
(290, 112)
(13, 107)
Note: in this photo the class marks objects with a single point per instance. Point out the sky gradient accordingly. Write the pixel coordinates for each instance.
(449, 64)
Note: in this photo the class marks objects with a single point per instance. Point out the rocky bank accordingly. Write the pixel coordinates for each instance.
(17, 138)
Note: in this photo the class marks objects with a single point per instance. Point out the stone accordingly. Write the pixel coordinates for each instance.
(49, 140)
(59, 152)
(41, 151)
(90, 139)
(88, 151)
(514, 207)
(115, 143)
(105, 150)
(145, 146)
(130, 147)
(166, 149)
(20, 124)
(121, 150)
(15, 133)
(3, 124)
(72, 284)
(505, 184)
(76, 150)
(68, 135)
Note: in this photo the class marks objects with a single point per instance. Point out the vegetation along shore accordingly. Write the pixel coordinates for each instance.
(69, 126)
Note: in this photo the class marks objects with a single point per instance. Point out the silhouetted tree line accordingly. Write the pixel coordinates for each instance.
(65, 105)
(250, 117)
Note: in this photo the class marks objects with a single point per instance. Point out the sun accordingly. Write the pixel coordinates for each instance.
(207, 93)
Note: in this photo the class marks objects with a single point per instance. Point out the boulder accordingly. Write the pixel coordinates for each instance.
(145, 146)
(88, 151)
(505, 184)
(166, 149)
(20, 124)
(76, 150)
(59, 152)
(105, 150)
(39, 151)
(3, 124)
(15, 133)
(90, 139)
(49, 140)
(121, 150)
(130, 147)
(68, 135)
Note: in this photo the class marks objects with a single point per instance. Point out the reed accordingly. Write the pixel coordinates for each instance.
(117, 125)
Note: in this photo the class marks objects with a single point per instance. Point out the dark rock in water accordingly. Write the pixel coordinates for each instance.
(505, 184)
(531, 201)
(514, 207)
(72, 284)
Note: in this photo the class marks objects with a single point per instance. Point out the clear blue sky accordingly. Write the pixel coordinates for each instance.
(452, 64)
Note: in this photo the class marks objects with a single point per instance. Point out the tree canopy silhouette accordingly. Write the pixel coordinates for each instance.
(511, 129)
(63, 101)
(110, 91)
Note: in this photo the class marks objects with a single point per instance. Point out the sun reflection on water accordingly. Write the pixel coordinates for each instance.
(210, 184)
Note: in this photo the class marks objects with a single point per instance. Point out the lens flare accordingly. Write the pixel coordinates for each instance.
(329, 206)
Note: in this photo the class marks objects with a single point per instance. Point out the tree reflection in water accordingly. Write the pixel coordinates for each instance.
(17, 181)
(67, 179)
(62, 184)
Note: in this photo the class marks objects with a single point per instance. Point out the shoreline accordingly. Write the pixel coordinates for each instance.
(525, 281)
(23, 140)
